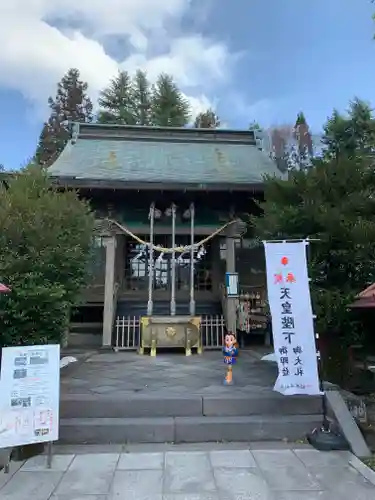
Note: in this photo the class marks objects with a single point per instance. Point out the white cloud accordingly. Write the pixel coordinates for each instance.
(200, 103)
(192, 61)
(35, 53)
(261, 111)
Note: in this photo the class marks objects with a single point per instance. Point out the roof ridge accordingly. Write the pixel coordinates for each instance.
(190, 134)
(156, 127)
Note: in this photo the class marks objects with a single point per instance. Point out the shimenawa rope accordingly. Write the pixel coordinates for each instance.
(171, 250)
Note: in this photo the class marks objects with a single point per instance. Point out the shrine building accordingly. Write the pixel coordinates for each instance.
(171, 206)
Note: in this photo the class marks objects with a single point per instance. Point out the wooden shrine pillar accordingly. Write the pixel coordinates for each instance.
(109, 291)
(231, 313)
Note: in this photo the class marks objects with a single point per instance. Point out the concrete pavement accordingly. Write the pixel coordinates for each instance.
(190, 474)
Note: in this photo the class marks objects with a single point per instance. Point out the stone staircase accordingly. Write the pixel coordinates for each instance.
(171, 398)
(90, 420)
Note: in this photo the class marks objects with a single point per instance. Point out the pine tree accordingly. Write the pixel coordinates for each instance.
(299, 151)
(332, 202)
(352, 134)
(254, 125)
(70, 104)
(292, 146)
(116, 101)
(141, 99)
(169, 108)
(47, 148)
(303, 136)
(131, 101)
(207, 119)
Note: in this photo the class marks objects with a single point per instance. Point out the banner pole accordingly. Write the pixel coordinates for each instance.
(323, 438)
(325, 422)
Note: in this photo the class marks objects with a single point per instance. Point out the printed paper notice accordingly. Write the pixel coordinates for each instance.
(29, 395)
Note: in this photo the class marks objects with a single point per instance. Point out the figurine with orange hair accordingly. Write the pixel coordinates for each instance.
(230, 352)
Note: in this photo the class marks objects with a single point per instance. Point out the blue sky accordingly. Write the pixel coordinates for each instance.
(262, 60)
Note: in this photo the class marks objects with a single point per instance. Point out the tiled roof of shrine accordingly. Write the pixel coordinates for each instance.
(134, 154)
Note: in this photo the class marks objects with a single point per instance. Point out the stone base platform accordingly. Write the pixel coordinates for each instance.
(126, 398)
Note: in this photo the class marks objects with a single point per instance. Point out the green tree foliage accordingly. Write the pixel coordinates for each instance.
(48, 143)
(133, 101)
(207, 119)
(70, 104)
(301, 119)
(141, 99)
(116, 101)
(169, 108)
(334, 202)
(350, 134)
(45, 249)
(254, 125)
(301, 151)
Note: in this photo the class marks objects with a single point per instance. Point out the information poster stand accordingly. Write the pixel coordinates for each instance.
(29, 397)
(231, 285)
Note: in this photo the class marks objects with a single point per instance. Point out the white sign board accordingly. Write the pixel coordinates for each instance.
(29, 395)
(292, 318)
(231, 281)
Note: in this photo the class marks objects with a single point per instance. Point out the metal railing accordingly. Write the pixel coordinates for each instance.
(128, 328)
(127, 333)
(213, 331)
(116, 289)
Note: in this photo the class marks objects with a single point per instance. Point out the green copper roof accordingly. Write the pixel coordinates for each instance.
(162, 155)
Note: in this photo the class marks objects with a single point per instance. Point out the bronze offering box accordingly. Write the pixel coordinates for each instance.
(170, 331)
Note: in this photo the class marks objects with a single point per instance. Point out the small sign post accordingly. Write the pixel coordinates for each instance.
(231, 284)
(29, 396)
(5, 289)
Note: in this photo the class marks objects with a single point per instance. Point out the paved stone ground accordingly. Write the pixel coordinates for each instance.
(127, 373)
(218, 474)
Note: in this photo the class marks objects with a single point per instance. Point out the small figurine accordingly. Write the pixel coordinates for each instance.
(230, 352)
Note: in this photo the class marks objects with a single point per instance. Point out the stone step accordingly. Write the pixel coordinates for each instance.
(186, 429)
(148, 406)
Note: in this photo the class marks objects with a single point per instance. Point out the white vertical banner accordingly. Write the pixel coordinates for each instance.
(292, 318)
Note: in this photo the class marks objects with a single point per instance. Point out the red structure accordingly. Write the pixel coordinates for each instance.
(365, 299)
(4, 288)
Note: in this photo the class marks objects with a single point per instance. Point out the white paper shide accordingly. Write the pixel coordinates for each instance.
(29, 395)
(292, 318)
